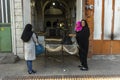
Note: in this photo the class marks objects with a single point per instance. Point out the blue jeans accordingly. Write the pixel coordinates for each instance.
(29, 65)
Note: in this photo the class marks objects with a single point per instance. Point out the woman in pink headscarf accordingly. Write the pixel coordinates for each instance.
(82, 37)
(78, 26)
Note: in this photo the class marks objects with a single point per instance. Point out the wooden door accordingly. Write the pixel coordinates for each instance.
(104, 21)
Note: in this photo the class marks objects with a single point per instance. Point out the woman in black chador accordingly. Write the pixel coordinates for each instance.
(82, 36)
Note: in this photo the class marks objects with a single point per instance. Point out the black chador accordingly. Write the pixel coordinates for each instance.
(83, 42)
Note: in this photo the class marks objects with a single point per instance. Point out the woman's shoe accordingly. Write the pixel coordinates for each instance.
(33, 71)
(84, 69)
(30, 72)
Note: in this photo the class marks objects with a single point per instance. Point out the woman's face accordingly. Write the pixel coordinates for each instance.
(83, 23)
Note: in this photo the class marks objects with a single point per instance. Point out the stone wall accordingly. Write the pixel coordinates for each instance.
(17, 26)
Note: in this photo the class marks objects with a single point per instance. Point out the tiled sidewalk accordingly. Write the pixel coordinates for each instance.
(54, 66)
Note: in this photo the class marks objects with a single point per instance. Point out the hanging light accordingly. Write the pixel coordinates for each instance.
(53, 3)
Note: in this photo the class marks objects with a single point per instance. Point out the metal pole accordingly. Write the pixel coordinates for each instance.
(2, 11)
(6, 9)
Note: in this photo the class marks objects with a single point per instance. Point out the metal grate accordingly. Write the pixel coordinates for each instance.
(86, 77)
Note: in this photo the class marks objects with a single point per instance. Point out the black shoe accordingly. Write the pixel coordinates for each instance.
(33, 71)
(30, 72)
(84, 69)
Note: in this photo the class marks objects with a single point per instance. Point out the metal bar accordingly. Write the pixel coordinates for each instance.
(103, 16)
(6, 11)
(2, 11)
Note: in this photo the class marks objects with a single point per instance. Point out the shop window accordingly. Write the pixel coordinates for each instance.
(5, 11)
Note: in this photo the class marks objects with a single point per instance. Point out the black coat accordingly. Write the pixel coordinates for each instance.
(83, 38)
(83, 34)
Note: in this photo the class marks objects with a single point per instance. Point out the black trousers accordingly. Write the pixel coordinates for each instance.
(83, 52)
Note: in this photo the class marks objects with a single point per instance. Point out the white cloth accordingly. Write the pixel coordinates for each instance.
(30, 48)
(53, 49)
(71, 49)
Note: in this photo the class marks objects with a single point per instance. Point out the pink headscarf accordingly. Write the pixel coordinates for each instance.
(78, 26)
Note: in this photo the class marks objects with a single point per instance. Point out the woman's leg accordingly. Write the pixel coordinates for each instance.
(80, 51)
(82, 57)
(85, 54)
(29, 65)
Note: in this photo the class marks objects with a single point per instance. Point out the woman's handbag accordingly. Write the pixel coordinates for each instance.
(39, 49)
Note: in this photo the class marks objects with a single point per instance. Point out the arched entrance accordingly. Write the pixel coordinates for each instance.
(56, 18)
(55, 15)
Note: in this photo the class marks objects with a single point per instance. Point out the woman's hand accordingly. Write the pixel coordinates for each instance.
(72, 35)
